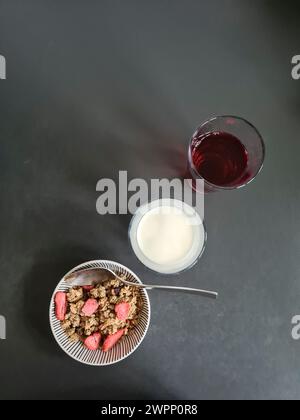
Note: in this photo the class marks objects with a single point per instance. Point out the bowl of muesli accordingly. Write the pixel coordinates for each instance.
(103, 324)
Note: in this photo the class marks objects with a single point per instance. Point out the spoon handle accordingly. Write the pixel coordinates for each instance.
(94, 276)
(188, 290)
(204, 293)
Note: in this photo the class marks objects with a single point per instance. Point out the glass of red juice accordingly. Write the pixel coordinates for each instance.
(226, 152)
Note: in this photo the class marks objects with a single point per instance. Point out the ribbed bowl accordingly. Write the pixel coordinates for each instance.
(121, 350)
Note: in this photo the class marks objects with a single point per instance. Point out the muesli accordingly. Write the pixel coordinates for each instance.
(99, 316)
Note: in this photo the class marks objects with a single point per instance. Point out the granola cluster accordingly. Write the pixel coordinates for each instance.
(105, 309)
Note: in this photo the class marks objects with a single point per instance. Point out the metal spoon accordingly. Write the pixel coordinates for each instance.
(94, 276)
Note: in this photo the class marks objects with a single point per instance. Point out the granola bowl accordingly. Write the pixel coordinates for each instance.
(80, 329)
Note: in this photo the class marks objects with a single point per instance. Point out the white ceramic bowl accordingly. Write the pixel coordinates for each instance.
(121, 350)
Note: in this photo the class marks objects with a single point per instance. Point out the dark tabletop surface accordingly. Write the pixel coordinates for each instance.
(97, 87)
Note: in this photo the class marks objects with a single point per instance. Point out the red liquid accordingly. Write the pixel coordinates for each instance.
(220, 158)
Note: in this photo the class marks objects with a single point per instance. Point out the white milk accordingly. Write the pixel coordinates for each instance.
(167, 236)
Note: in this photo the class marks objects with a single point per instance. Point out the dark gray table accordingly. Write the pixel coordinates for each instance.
(96, 87)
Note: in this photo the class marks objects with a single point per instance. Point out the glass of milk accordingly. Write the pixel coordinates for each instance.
(167, 235)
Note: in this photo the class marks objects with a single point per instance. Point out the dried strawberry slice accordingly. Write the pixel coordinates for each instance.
(88, 288)
(122, 310)
(60, 305)
(90, 307)
(92, 342)
(111, 340)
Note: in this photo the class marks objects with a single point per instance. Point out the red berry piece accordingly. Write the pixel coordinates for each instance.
(92, 342)
(122, 310)
(60, 305)
(111, 340)
(90, 307)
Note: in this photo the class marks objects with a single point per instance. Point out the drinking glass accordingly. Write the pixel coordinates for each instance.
(227, 152)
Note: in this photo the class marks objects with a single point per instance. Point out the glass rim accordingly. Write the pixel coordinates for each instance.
(220, 187)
